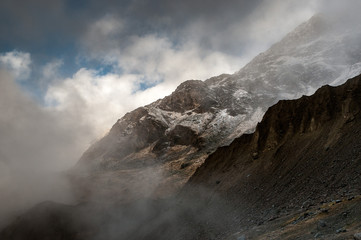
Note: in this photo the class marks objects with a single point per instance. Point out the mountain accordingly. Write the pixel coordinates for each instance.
(304, 153)
(298, 176)
(195, 164)
(153, 150)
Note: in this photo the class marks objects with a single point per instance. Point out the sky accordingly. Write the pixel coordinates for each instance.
(98, 60)
(70, 69)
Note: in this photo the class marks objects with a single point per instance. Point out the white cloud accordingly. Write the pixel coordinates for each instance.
(16, 62)
(51, 70)
(90, 103)
(92, 100)
(274, 19)
(163, 63)
(102, 34)
(156, 61)
(35, 146)
(99, 100)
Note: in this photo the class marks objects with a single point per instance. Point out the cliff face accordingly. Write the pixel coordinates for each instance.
(303, 152)
(156, 148)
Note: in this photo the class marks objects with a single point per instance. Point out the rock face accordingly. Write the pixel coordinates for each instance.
(309, 151)
(144, 152)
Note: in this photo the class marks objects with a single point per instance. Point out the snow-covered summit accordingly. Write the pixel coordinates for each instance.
(172, 136)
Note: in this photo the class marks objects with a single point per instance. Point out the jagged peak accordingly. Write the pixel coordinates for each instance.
(309, 113)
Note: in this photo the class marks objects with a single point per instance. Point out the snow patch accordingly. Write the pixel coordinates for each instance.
(240, 94)
(353, 71)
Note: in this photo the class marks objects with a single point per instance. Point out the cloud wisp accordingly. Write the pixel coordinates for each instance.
(18, 63)
(36, 146)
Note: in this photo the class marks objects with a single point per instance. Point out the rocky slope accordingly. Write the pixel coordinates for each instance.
(298, 176)
(304, 153)
(153, 150)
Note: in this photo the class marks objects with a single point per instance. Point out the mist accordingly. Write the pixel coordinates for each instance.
(36, 147)
(42, 139)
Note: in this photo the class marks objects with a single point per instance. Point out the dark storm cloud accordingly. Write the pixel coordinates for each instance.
(41, 24)
(22, 22)
(59, 29)
(175, 18)
(175, 14)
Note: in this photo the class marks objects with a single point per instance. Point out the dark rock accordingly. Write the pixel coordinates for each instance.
(184, 165)
(190, 95)
(295, 157)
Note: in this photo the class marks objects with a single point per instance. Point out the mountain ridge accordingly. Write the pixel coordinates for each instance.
(303, 152)
(173, 136)
(303, 158)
